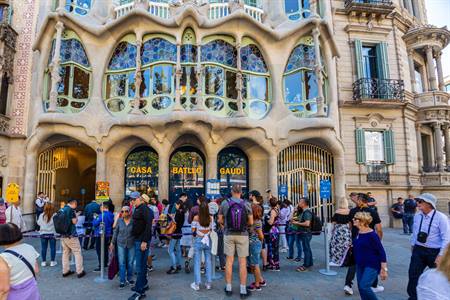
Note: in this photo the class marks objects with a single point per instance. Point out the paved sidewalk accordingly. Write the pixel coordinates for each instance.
(286, 284)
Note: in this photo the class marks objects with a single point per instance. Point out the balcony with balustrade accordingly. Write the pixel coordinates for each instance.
(377, 8)
(159, 9)
(379, 90)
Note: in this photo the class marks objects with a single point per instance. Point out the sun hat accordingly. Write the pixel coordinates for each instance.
(428, 198)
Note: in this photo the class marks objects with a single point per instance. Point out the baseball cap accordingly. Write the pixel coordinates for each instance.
(135, 195)
(428, 198)
(255, 193)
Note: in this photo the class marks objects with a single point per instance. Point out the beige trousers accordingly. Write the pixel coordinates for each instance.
(71, 245)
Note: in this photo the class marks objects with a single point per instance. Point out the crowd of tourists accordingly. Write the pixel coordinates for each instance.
(196, 231)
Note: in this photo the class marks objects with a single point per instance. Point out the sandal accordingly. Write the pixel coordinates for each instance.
(301, 269)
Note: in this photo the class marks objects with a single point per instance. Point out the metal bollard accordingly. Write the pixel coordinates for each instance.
(102, 278)
(327, 270)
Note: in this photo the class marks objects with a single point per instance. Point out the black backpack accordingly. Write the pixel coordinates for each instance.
(316, 224)
(237, 216)
(61, 222)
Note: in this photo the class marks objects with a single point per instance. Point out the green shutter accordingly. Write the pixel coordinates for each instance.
(382, 61)
(389, 149)
(359, 60)
(360, 146)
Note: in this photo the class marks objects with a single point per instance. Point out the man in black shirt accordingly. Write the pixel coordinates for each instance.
(142, 233)
(410, 207)
(363, 206)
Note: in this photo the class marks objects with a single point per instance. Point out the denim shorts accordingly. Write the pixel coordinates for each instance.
(255, 253)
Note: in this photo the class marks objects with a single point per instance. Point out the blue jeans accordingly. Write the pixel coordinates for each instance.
(366, 276)
(408, 222)
(141, 267)
(175, 252)
(45, 240)
(126, 263)
(291, 238)
(306, 237)
(198, 249)
(255, 253)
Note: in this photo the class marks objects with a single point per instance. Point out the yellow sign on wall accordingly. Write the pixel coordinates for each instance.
(141, 170)
(102, 191)
(186, 170)
(232, 171)
(12, 193)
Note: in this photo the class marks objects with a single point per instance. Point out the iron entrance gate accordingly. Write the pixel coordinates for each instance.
(301, 167)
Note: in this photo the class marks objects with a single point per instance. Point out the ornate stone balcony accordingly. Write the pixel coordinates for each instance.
(431, 99)
(436, 179)
(373, 8)
(374, 89)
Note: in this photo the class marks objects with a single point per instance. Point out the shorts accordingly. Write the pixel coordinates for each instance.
(236, 243)
(255, 253)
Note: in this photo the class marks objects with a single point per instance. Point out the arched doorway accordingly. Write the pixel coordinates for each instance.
(186, 173)
(232, 168)
(141, 171)
(301, 167)
(67, 171)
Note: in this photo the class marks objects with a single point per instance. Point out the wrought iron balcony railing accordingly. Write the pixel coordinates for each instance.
(374, 88)
(377, 172)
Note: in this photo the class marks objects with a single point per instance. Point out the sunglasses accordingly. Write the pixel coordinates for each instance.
(125, 211)
(420, 201)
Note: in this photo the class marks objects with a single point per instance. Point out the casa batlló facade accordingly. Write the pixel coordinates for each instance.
(161, 96)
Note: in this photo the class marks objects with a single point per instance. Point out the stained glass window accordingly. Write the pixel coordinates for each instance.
(297, 9)
(252, 59)
(220, 52)
(79, 7)
(188, 53)
(302, 56)
(124, 57)
(72, 51)
(158, 49)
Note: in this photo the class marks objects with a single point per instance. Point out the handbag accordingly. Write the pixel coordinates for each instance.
(113, 265)
(171, 228)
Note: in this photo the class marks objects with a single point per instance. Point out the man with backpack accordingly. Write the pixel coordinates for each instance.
(235, 216)
(64, 221)
(305, 225)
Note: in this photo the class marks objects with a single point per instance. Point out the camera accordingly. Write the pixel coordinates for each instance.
(422, 237)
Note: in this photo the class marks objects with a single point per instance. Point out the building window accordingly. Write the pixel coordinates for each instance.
(188, 82)
(79, 7)
(254, 3)
(4, 94)
(418, 79)
(75, 72)
(374, 146)
(297, 9)
(371, 60)
(232, 169)
(300, 81)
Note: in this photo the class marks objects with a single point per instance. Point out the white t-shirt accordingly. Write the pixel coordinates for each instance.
(433, 285)
(19, 272)
(14, 215)
(79, 226)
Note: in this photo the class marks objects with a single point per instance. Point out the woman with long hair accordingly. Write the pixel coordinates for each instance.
(202, 226)
(294, 235)
(273, 241)
(435, 283)
(174, 244)
(256, 238)
(47, 232)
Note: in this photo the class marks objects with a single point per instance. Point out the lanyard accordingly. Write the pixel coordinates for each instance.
(429, 226)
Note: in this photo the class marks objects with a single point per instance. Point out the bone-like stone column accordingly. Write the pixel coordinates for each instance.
(54, 68)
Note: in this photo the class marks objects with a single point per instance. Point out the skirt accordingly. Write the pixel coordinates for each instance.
(26, 290)
(341, 241)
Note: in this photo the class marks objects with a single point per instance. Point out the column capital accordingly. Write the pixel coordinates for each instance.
(436, 125)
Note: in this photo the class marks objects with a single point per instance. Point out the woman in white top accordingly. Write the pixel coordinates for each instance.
(47, 231)
(17, 275)
(434, 284)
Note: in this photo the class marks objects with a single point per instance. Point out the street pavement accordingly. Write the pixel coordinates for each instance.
(287, 284)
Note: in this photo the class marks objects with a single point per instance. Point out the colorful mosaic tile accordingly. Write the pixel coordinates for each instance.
(158, 49)
(302, 56)
(252, 59)
(220, 52)
(124, 57)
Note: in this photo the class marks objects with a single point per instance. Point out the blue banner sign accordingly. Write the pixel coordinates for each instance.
(325, 189)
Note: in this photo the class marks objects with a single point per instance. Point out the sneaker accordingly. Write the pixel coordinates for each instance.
(195, 286)
(172, 271)
(348, 290)
(122, 286)
(178, 268)
(298, 259)
(289, 257)
(136, 296)
(97, 269)
(82, 274)
(252, 287)
(68, 273)
(53, 263)
(228, 293)
(43, 264)
(263, 283)
(378, 289)
(150, 268)
(208, 286)
(246, 295)
(333, 264)
(187, 267)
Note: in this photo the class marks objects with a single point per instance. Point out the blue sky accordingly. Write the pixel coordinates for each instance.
(438, 12)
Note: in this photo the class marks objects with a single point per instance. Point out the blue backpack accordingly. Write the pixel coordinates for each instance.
(237, 216)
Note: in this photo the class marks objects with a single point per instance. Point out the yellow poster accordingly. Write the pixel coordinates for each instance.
(102, 191)
(12, 193)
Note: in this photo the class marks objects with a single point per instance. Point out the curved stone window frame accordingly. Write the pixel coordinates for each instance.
(302, 10)
(305, 73)
(70, 71)
(78, 7)
(256, 107)
(119, 102)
